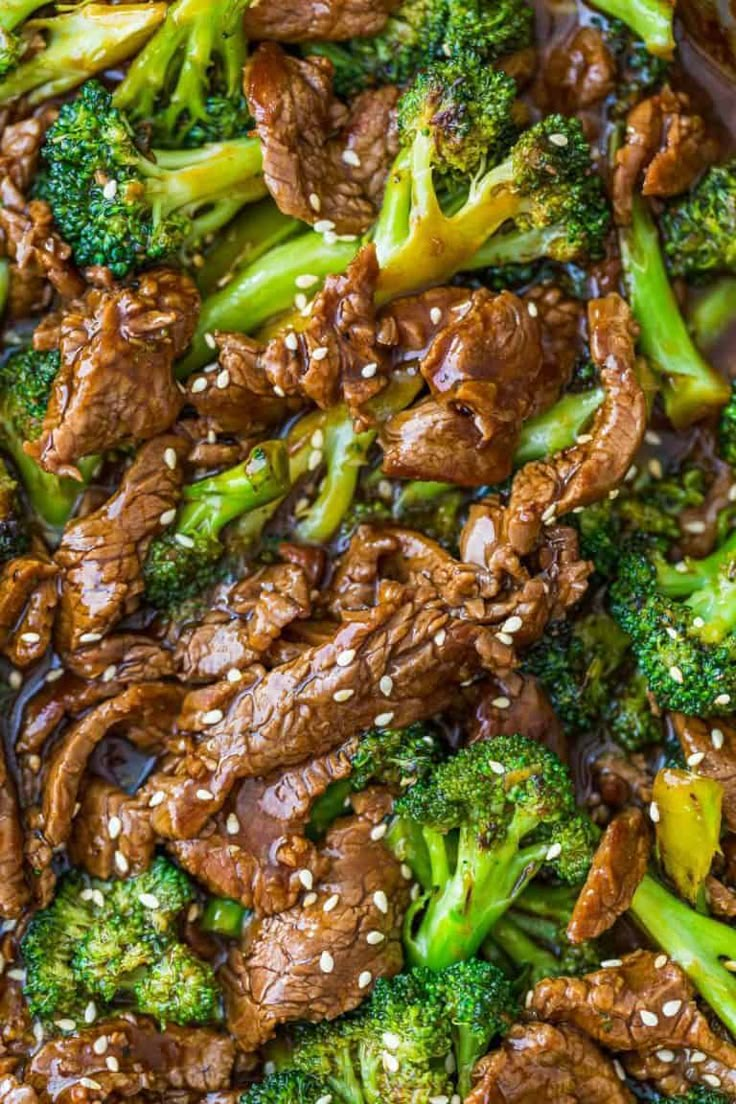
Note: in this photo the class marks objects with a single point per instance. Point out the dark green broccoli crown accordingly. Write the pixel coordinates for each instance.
(552, 153)
(629, 715)
(479, 999)
(110, 951)
(700, 227)
(26, 379)
(94, 181)
(167, 883)
(222, 120)
(13, 527)
(288, 1087)
(698, 1094)
(395, 756)
(465, 109)
(727, 429)
(12, 48)
(179, 566)
(178, 988)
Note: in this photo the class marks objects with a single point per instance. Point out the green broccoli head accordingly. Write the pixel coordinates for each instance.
(288, 1087)
(699, 228)
(681, 622)
(395, 1047)
(26, 379)
(180, 566)
(177, 988)
(698, 1094)
(109, 952)
(421, 32)
(465, 110)
(13, 527)
(475, 832)
(120, 208)
(727, 429)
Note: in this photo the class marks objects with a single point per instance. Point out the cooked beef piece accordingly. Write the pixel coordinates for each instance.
(13, 889)
(238, 398)
(357, 577)
(721, 898)
(122, 658)
(322, 363)
(517, 703)
(699, 524)
(310, 20)
(310, 558)
(667, 144)
(116, 382)
(576, 72)
(149, 708)
(327, 694)
(13, 1091)
(322, 161)
(28, 597)
(587, 471)
(623, 780)
(101, 555)
(673, 1071)
(149, 1062)
(542, 1064)
(314, 962)
(714, 738)
(243, 624)
(408, 326)
(645, 1003)
(16, 1034)
(619, 865)
(113, 836)
(40, 260)
(562, 321)
(254, 849)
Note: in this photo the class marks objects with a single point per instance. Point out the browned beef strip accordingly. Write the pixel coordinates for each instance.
(112, 835)
(517, 703)
(310, 20)
(715, 739)
(28, 597)
(676, 1070)
(13, 889)
(577, 72)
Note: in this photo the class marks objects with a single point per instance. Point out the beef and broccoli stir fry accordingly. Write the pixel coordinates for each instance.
(367, 552)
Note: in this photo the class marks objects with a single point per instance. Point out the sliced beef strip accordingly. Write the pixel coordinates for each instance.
(254, 850)
(608, 1005)
(517, 703)
(28, 598)
(667, 143)
(101, 555)
(542, 1064)
(122, 658)
(239, 398)
(619, 865)
(13, 1091)
(715, 739)
(311, 20)
(673, 1071)
(321, 160)
(576, 73)
(314, 963)
(149, 1061)
(113, 836)
(14, 893)
(291, 712)
(115, 383)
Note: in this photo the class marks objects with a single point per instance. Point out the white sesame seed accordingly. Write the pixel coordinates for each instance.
(306, 878)
(717, 738)
(90, 1083)
(496, 767)
(54, 675)
(368, 371)
(698, 622)
(501, 703)
(198, 385)
(440, 637)
(66, 1025)
(611, 963)
(109, 673)
(695, 759)
(222, 379)
(435, 315)
(114, 827)
(269, 1068)
(373, 938)
(681, 567)
(326, 962)
(209, 340)
(385, 685)
(350, 157)
(315, 459)
(170, 458)
(391, 1040)
(406, 873)
(660, 962)
(324, 226)
(553, 852)
(584, 438)
(344, 659)
(654, 812)
(650, 1019)
(548, 515)
(15, 679)
(306, 281)
(672, 634)
(697, 1056)
(279, 391)
(730, 965)
(512, 624)
(317, 440)
(167, 517)
(314, 201)
(156, 799)
(383, 719)
(90, 1013)
(100, 1044)
(732, 493)
(291, 341)
(326, 1099)
(300, 301)
(149, 900)
(211, 437)
(528, 998)
(212, 716)
(619, 1070)
(652, 437)
(671, 1008)
(676, 675)
(110, 190)
(414, 892)
(331, 903)
(232, 825)
(343, 695)
(390, 1062)
(121, 863)
(558, 140)
(379, 831)
(30, 637)
(665, 1055)
(439, 1100)
(183, 540)
(380, 900)
(364, 979)
(712, 1080)
(112, 1063)
(532, 309)
(723, 699)
(234, 675)
(655, 468)
(309, 899)
(205, 795)
(694, 527)
(320, 353)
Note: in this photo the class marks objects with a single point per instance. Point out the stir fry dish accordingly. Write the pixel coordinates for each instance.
(367, 552)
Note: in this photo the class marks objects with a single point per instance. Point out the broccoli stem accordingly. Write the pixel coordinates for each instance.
(523, 951)
(651, 20)
(690, 386)
(14, 12)
(253, 232)
(264, 289)
(85, 40)
(558, 427)
(713, 313)
(180, 179)
(223, 916)
(4, 284)
(698, 944)
(515, 247)
(698, 574)
(211, 503)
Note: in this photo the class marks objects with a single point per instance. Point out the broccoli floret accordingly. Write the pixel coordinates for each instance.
(688, 829)
(119, 207)
(421, 32)
(288, 1087)
(629, 716)
(713, 312)
(185, 559)
(475, 832)
(698, 1094)
(651, 20)
(457, 118)
(26, 379)
(681, 621)
(699, 228)
(395, 757)
(117, 942)
(13, 527)
(185, 85)
(690, 386)
(86, 39)
(419, 1018)
(727, 429)
(701, 945)
(12, 45)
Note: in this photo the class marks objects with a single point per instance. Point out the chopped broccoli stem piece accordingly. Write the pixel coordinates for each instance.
(713, 313)
(699, 228)
(256, 230)
(650, 20)
(80, 42)
(688, 829)
(690, 386)
(119, 207)
(557, 428)
(186, 83)
(224, 917)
